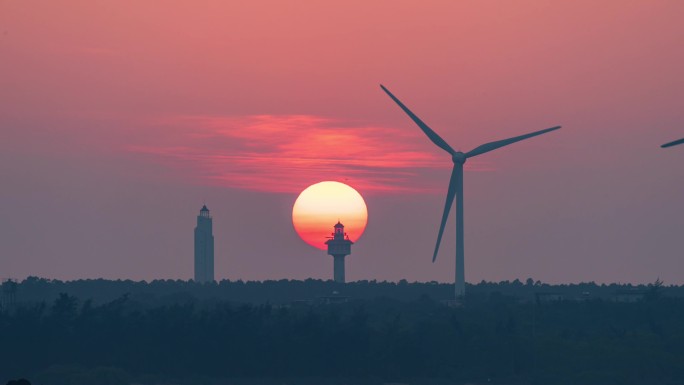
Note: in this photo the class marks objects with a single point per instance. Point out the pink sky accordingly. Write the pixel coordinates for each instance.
(119, 119)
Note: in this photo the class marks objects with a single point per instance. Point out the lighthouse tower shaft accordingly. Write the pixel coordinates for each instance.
(338, 268)
(339, 247)
(204, 247)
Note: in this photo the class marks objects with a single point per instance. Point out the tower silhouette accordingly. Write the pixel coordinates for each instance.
(339, 246)
(204, 247)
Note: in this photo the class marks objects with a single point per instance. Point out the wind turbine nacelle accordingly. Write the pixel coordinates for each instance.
(459, 157)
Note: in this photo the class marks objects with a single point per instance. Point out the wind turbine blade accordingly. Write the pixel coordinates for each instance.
(436, 139)
(498, 144)
(676, 142)
(453, 185)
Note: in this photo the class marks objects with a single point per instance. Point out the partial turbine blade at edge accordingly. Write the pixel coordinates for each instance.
(670, 144)
(436, 139)
(498, 144)
(453, 181)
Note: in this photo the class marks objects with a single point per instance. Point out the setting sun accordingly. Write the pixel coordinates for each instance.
(321, 205)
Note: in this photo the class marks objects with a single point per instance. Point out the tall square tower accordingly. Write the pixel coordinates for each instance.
(204, 247)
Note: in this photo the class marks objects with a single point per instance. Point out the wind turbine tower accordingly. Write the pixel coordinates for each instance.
(339, 246)
(455, 190)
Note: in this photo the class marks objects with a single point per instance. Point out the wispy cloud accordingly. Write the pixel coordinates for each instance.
(288, 152)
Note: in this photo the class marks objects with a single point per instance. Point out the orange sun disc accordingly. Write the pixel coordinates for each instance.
(321, 205)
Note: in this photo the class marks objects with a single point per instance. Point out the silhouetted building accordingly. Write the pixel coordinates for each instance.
(335, 298)
(630, 295)
(339, 247)
(204, 247)
(548, 297)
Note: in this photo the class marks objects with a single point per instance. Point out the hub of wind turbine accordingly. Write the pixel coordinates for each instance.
(459, 157)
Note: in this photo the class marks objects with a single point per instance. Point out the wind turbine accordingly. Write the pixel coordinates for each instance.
(456, 184)
(676, 142)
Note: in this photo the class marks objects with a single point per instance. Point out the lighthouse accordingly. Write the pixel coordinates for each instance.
(339, 246)
(204, 247)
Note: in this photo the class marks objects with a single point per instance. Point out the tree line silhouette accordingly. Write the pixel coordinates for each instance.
(159, 292)
(495, 338)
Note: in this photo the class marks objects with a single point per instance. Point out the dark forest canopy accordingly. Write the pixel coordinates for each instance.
(284, 291)
(401, 332)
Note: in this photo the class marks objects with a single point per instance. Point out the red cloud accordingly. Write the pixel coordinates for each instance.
(287, 153)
